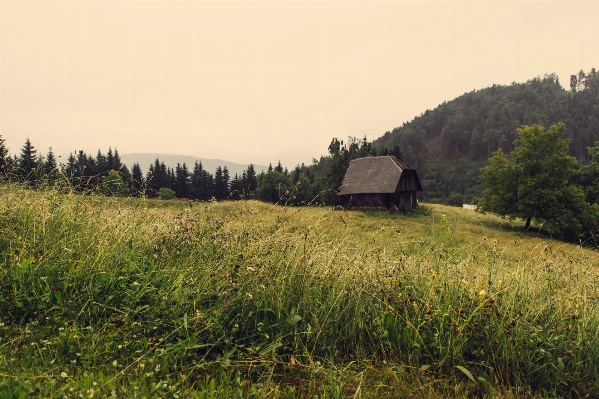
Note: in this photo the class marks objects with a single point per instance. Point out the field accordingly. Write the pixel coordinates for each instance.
(126, 297)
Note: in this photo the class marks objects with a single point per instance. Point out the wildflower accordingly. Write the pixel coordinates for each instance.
(250, 296)
(464, 282)
(482, 293)
(250, 268)
(53, 287)
(542, 352)
(224, 293)
(63, 375)
(114, 363)
(433, 275)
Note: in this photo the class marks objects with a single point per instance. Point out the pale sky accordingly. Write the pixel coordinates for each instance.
(256, 81)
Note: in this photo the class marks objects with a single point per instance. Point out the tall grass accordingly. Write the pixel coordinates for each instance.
(132, 297)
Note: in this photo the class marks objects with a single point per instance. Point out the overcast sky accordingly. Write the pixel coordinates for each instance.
(258, 81)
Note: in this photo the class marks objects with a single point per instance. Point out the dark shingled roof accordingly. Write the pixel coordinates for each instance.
(373, 175)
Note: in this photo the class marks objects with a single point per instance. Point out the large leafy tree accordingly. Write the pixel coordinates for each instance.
(589, 176)
(274, 187)
(536, 183)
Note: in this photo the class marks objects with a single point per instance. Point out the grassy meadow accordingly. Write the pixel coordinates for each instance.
(134, 298)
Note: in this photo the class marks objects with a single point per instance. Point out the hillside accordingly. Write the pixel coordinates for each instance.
(450, 143)
(130, 297)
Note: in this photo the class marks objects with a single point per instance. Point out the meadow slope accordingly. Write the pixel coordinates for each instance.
(129, 297)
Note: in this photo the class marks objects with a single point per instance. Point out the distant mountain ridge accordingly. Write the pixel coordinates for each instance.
(171, 160)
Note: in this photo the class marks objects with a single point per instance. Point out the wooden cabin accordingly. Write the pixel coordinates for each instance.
(379, 183)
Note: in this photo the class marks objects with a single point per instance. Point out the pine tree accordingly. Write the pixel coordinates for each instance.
(279, 167)
(137, 180)
(50, 165)
(28, 162)
(101, 163)
(219, 190)
(226, 179)
(68, 169)
(151, 182)
(170, 178)
(252, 181)
(236, 188)
(181, 181)
(117, 160)
(196, 189)
(109, 160)
(125, 173)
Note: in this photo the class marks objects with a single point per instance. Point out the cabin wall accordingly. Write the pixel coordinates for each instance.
(395, 201)
(364, 201)
(409, 181)
(406, 198)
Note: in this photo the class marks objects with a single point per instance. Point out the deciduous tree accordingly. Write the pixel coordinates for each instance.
(536, 183)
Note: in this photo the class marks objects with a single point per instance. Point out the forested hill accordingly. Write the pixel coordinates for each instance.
(450, 143)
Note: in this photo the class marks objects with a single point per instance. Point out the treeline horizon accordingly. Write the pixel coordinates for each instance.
(447, 146)
(106, 174)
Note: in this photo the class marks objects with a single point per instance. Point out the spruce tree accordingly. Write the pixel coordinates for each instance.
(68, 169)
(279, 167)
(109, 160)
(218, 184)
(116, 161)
(235, 188)
(125, 173)
(151, 182)
(196, 181)
(226, 179)
(170, 178)
(50, 165)
(28, 162)
(181, 181)
(101, 163)
(252, 181)
(136, 180)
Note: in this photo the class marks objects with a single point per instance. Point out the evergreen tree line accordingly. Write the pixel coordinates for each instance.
(88, 173)
(449, 144)
(105, 173)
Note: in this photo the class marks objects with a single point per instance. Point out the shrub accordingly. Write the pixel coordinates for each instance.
(166, 193)
(455, 199)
